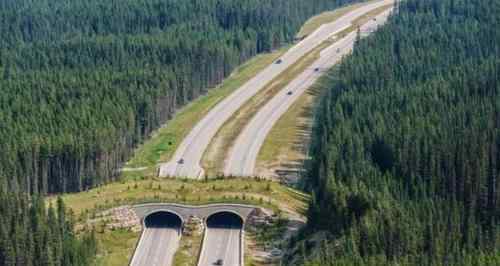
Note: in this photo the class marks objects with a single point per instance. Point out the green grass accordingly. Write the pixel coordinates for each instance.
(189, 248)
(218, 150)
(147, 189)
(116, 247)
(263, 238)
(163, 143)
(287, 141)
(326, 17)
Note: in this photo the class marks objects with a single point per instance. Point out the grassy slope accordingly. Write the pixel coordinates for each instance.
(327, 17)
(135, 191)
(214, 157)
(163, 143)
(286, 144)
(116, 246)
(219, 148)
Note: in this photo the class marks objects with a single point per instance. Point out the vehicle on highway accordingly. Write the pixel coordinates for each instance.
(279, 61)
(276, 252)
(316, 69)
(181, 161)
(289, 93)
(219, 262)
(338, 50)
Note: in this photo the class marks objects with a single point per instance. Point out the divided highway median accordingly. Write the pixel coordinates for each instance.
(186, 160)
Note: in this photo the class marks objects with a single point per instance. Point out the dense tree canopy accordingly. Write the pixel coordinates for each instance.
(31, 234)
(407, 142)
(83, 82)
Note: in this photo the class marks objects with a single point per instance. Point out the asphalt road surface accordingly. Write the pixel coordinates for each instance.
(186, 160)
(243, 156)
(156, 247)
(221, 243)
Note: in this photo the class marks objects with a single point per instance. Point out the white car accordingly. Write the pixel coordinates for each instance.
(276, 252)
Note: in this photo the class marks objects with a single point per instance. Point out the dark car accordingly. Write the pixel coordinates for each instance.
(181, 161)
(316, 69)
(219, 262)
(279, 61)
(289, 93)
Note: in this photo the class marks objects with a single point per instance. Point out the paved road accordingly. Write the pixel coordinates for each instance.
(156, 247)
(243, 156)
(221, 243)
(194, 145)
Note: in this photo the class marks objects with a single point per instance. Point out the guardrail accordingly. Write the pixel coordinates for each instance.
(242, 245)
(203, 240)
(135, 248)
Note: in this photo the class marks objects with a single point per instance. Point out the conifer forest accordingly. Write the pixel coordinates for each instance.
(407, 143)
(405, 148)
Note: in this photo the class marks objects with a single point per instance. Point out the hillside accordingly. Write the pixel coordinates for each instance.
(407, 147)
(32, 234)
(83, 83)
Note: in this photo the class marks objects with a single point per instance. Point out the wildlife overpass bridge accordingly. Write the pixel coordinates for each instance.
(186, 211)
(163, 222)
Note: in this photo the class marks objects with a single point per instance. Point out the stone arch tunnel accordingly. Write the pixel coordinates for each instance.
(213, 211)
(224, 219)
(163, 219)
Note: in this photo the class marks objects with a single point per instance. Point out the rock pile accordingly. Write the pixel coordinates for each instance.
(123, 217)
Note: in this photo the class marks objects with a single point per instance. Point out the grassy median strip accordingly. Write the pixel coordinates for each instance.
(116, 246)
(363, 19)
(189, 248)
(214, 158)
(326, 17)
(163, 143)
(286, 145)
(218, 150)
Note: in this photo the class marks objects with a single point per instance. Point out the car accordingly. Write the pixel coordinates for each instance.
(276, 252)
(374, 19)
(219, 262)
(181, 161)
(316, 69)
(289, 93)
(338, 50)
(279, 61)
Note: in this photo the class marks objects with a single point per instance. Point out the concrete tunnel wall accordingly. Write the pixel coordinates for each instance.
(162, 219)
(205, 212)
(186, 211)
(224, 219)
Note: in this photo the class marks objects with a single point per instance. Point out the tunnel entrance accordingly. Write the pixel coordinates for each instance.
(225, 219)
(163, 219)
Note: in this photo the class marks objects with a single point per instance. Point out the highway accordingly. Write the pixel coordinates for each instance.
(156, 247)
(186, 160)
(243, 156)
(221, 243)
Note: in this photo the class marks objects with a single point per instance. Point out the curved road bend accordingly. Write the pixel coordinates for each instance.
(243, 156)
(194, 145)
(156, 247)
